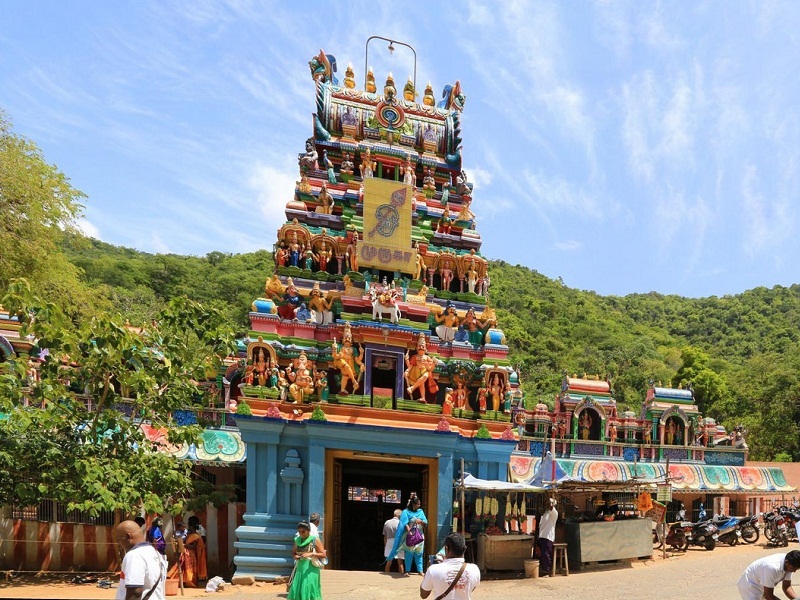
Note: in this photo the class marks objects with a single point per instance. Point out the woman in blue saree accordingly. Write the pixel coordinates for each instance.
(412, 517)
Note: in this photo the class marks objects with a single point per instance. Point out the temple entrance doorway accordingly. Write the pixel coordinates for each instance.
(365, 491)
(383, 379)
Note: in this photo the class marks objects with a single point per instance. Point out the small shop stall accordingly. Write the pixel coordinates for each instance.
(499, 518)
(610, 527)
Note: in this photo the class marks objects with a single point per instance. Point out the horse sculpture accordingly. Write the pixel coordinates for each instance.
(384, 303)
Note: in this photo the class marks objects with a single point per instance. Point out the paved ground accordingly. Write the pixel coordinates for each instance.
(695, 575)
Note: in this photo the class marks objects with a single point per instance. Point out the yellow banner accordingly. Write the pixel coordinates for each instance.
(387, 226)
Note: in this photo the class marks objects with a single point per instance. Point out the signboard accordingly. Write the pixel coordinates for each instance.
(387, 226)
(664, 492)
(658, 513)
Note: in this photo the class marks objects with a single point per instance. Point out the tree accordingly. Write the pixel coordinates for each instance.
(73, 433)
(37, 206)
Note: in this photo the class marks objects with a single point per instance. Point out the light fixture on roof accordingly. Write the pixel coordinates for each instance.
(391, 51)
(391, 47)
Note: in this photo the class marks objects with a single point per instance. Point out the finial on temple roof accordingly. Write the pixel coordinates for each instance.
(409, 93)
(371, 88)
(428, 99)
(349, 77)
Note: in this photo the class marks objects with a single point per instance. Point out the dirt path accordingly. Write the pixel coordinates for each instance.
(695, 575)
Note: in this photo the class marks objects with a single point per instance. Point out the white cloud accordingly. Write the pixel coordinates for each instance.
(87, 228)
(568, 245)
(274, 187)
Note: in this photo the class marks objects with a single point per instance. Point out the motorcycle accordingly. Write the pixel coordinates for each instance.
(683, 534)
(791, 518)
(749, 529)
(728, 529)
(775, 529)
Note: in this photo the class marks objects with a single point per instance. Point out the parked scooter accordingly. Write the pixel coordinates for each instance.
(683, 534)
(791, 517)
(728, 529)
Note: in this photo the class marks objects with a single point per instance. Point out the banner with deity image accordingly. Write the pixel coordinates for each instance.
(387, 226)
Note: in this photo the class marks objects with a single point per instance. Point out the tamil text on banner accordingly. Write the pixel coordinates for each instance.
(387, 226)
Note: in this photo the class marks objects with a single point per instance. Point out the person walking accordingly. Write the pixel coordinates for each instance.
(389, 533)
(547, 535)
(410, 535)
(308, 552)
(155, 535)
(762, 576)
(452, 579)
(143, 573)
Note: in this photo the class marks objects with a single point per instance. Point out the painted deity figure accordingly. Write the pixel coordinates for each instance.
(281, 256)
(474, 327)
(428, 181)
(496, 391)
(461, 395)
(295, 249)
(348, 360)
(482, 393)
(584, 425)
(301, 379)
(291, 301)
(421, 268)
(367, 166)
(321, 312)
(669, 432)
(448, 405)
(260, 367)
(308, 261)
(323, 257)
(283, 386)
(274, 372)
(508, 396)
(309, 160)
(273, 288)
(446, 275)
(448, 324)
(408, 172)
(472, 278)
(325, 201)
(419, 372)
(322, 386)
(352, 253)
(612, 432)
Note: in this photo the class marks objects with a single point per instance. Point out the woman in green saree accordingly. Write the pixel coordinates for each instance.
(309, 553)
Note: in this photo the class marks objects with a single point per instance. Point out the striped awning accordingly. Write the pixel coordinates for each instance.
(684, 477)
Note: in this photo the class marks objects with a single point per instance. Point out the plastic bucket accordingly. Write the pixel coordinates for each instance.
(531, 568)
(171, 587)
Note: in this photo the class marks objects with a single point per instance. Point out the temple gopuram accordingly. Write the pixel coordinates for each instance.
(374, 367)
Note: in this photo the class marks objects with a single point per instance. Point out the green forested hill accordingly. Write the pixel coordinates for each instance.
(739, 353)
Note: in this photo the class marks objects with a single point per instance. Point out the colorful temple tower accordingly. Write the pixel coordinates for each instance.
(375, 368)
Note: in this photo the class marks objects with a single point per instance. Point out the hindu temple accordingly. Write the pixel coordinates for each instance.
(374, 362)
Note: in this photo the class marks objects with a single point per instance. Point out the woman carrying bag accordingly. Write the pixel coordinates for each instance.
(411, 535)
(310, 556)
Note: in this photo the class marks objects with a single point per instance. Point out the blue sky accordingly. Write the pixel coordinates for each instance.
(622, 146)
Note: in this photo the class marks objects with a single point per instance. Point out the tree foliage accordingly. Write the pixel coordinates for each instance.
(73, 433)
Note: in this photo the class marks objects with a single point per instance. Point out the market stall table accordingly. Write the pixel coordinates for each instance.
(597, 541)
(504, 552)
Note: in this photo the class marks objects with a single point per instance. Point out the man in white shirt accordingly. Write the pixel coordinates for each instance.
(144, 573)
(762, 576)
(547, 535)
(389, 533)
(438, 578)
(313, 522)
